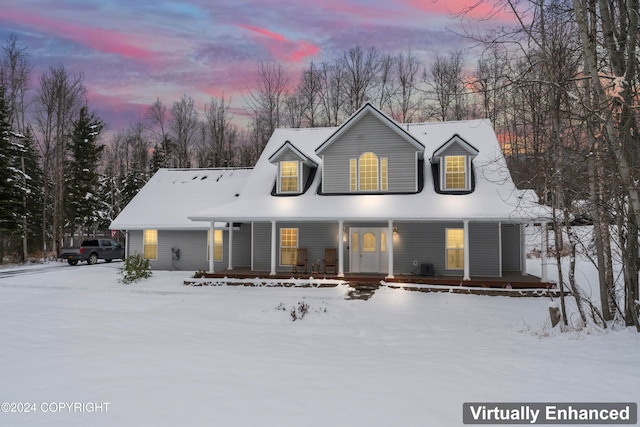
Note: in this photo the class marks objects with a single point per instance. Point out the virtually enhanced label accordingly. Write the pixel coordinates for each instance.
(550, 413)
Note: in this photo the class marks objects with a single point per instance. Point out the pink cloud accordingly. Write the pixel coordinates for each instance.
(109, 41)
(281, 47)
(470, 9)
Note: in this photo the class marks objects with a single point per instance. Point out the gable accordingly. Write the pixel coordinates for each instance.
(398, 156)
(288, 152)
(455, 146)
(368, 121)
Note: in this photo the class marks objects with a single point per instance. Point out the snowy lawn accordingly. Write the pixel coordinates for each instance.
(164, 354)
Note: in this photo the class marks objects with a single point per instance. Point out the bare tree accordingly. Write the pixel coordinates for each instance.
(15, 72)
(360, 72)
(57, 105)
(446, 81)
(405, 103)
(332, 95)
(310, 91)
(266, 102)
(219, 133)
(184, 125)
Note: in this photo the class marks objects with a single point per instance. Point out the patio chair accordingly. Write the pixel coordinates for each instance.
(329, 260)
(301, 260)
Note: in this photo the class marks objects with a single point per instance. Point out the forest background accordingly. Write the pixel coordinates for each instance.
(560, 88)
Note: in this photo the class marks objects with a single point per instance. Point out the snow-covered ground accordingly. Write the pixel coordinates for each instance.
(159, 353)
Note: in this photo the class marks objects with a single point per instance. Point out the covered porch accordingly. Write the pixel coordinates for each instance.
(400, 242)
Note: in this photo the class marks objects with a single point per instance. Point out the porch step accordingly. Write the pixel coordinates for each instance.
(362, 290)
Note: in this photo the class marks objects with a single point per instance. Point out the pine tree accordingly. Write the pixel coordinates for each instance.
(132, 182)
(10, 175)
(82, 176)
(158, 160)
(33, 181)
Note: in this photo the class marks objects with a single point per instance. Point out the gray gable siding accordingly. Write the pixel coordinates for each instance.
(289, 156)
(511, 248)
(455, 150)
(369, 134)
(484, 249)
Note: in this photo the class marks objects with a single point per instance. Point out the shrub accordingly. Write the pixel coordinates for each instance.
(135, 268)
(303, 308)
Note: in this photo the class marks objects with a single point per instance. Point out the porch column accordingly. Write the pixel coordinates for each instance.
(523, 250)
(126, 243)
(340, 248)
(273, 248)
(230, 267)
(544, 242)
(390, 248)
(466, 276)
(211, 247)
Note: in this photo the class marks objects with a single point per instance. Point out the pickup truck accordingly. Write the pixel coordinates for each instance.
(93, 250)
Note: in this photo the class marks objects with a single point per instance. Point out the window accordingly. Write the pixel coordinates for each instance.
(455, 248)
(369, 242)
(217, 245)
(368, 173)
(455, 176)
(353, 174)
(288, 245)
(150, 244)
(289, 182)
(383, 174)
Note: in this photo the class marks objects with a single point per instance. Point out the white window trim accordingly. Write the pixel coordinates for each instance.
(299, 167)
(145, 244)
(280, 244)
(380, 182)
(446, 249)
(443, 175)
(209, 251)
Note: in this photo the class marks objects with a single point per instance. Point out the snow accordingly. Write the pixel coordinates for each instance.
(171, 194)
(495, 197)
(164, 354)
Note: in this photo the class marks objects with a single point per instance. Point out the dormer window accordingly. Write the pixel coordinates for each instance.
(368, 173)
(289, 181)
(455, 173)
(452, 167)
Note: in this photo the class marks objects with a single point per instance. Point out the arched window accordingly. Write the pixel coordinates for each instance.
(368, 173)
(368, 164)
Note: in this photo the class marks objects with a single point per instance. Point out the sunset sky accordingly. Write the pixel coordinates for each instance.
(132, 52)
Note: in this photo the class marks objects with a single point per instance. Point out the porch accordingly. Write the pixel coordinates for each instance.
(364, 285)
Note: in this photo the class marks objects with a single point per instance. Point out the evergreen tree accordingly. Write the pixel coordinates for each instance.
(132, 182)
(158, 159)
(33, 181)
(82, 176)
(109, 206)
(10, 174)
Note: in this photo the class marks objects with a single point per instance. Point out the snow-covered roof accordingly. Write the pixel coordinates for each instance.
(172, 194)
(495, 197)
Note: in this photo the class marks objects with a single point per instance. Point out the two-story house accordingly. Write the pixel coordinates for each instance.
(387, 198)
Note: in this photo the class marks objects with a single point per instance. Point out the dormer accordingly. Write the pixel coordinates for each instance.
(295, 170)
(452, 167)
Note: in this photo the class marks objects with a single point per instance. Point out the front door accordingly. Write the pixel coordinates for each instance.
(368, 249)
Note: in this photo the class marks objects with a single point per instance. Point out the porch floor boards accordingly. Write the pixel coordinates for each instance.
(508, 281)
